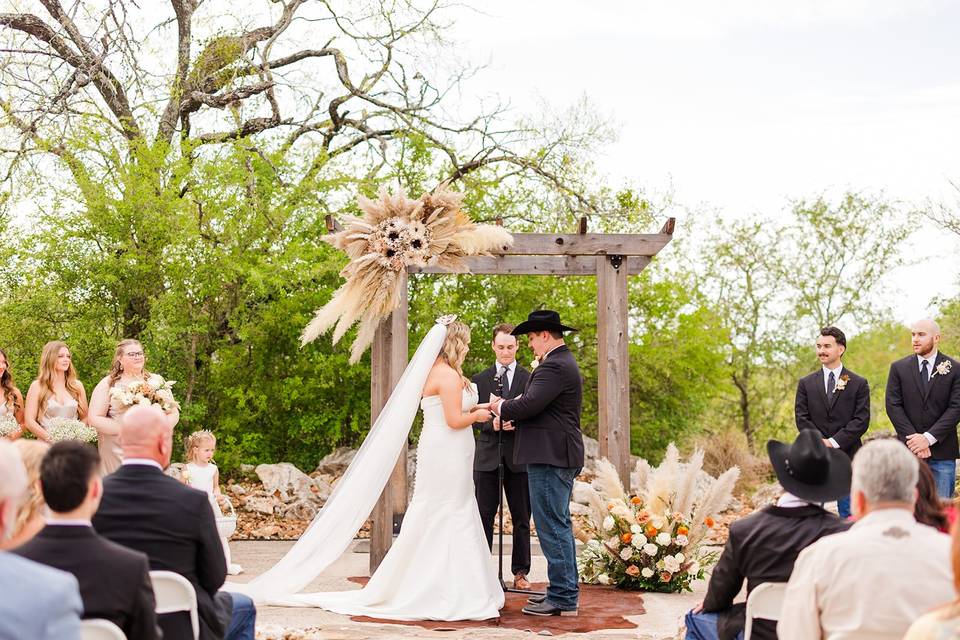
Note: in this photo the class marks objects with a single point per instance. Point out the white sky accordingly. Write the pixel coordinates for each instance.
(741, 105)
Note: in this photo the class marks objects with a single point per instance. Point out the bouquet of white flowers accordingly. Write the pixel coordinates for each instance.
(152, 391)
(70, 429)
(651, 541)
(8, 425)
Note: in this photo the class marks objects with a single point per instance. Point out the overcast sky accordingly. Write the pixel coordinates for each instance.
(743, 105)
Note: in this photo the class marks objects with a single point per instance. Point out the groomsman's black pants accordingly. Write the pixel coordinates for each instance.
(518, 501)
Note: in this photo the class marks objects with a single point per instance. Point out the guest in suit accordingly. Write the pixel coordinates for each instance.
(548, 440)
(507, 379)
(114, 581)
(873, 580)
(834, 401)
(173, 524)
(763, 546)
(38, 602)
(923, 403)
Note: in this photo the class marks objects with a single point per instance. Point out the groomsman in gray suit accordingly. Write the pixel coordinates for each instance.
(38, 602)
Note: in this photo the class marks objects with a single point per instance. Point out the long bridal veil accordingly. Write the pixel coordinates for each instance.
(355, 495)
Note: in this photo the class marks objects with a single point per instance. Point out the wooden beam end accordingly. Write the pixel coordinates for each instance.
(332, 225)
(583, 225)
(669, 226)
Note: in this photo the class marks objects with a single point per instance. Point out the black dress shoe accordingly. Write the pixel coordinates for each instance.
(536, 599)
(546, 609)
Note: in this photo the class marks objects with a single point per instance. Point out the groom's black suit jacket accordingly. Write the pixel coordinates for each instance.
(547, 416)
(145, 510)
(843, 416)
(935, 407)
(485, 458)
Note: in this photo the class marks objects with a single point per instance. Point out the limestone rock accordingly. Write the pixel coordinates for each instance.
(300, 510)
(260, 504)
(337, 461)
(578, 509)
(581, 492)
(766, 495)
(286, 480)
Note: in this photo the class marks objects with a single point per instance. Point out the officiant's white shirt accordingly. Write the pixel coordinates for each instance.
(868, 583)
(511, 369)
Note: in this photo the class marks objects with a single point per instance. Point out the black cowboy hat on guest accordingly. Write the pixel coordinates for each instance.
(809, 469)
(542, 320)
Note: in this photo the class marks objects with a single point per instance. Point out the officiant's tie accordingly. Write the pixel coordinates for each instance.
(925, 372)
(504, 380)
(831, 383)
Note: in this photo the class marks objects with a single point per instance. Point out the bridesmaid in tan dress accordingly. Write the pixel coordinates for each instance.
(56, 393)
(128, 366)
(11, 401)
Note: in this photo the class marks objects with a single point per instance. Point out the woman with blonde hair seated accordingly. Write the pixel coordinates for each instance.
(31, 516)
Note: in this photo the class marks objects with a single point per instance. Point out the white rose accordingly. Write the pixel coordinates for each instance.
(608, 523)
(663, 538)
(694, 568)
(144, 401)
(603, 578)
(650, 549)
(635, 529)
(638, 541)
(682, 540)
(613, 542)
(626, 553)
(670, 564)
(155, 381)
(679, 557)
(646, 572)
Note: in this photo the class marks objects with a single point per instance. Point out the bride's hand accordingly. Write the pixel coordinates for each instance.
(481, 405)
(481, 415)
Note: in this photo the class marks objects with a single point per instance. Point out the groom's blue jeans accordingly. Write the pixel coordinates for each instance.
(550, 491)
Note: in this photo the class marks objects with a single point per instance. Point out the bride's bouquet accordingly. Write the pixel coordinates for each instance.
(651, 541)
(152, 391)
(70, 429)
(8, 425)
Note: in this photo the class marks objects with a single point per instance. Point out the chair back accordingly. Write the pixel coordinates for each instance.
(765, 601)
(174, 593)
(99, 629)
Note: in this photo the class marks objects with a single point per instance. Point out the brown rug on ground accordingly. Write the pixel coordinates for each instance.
(600, 608)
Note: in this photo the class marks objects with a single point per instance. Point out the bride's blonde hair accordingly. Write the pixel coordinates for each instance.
(455, 348)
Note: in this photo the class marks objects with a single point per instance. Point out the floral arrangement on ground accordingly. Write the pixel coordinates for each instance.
(651, 540)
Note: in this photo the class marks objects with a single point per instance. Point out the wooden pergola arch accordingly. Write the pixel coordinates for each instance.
(609, 257)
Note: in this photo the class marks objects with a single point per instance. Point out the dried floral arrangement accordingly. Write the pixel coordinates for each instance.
(394, 233)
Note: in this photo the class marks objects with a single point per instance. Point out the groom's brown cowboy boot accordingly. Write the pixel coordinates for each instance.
(520, 582)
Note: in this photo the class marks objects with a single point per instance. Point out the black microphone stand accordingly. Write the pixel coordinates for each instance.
(499, 384)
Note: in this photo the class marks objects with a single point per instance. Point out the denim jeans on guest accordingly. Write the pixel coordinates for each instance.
(945, 475)
(550, 491)
(243, 620)
(702, 626)
(843, 507)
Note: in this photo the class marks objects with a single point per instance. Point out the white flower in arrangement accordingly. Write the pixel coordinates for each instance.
(613, 542)
(626, 553)
(694, 568)
(681, 540)
(8, 425)
(594, 544)
(603, 578)
(152, 391)
(663, 538)
(639, 541)
(608, 523)
(658, 522)
(155, 381)
(679, 557)
(942, 369)
(650, 549)
(646, 572)
(635, 529)
(670, 564)
(70, 429)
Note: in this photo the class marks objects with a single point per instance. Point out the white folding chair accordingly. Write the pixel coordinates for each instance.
(765, 601)
(99, 629)
(174, 593)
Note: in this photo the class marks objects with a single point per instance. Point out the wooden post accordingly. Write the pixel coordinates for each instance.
(388, 359)
(613, 364)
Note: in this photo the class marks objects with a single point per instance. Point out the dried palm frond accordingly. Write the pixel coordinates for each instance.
(608, 481)
(661, 485)
(687, 487)
(394, 233)
(713, 501)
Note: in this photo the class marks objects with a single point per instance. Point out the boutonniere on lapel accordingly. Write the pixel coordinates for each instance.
(942, 369)
(841, 383)
(534, 364)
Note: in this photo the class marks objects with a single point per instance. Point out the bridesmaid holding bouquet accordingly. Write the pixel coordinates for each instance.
(11, 402)
(56, 394)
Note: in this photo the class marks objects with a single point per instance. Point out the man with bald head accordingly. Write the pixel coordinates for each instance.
(923, 403)
(39, 602)
(146, 510)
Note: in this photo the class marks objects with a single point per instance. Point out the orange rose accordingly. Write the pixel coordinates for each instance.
(633, 570)
(610, 506)
(650, 531)
(635, 500)
(626, 538)
(665, 576)
(682, 530)
(709, 522)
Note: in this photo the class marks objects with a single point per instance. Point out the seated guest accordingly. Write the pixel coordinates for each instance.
(173, 524)
(763, 546)
(32, 512)
(114, 581)
(930, 509)
(874, 580)
(945, 621)
(38, 602)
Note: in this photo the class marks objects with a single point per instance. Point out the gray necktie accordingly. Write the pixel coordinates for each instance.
(831, 383)
(505, 379)
(925, 372)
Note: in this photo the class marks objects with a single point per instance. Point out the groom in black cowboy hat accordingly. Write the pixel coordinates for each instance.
(548, 440)
(764, 546)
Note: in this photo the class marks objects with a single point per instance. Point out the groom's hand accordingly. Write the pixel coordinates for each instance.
(493, 404)
(507, 426)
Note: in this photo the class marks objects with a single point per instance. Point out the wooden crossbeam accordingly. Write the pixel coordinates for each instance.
(535, 266)
(588, 244)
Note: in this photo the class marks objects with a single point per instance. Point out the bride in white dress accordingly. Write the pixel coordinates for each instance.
(439, 567)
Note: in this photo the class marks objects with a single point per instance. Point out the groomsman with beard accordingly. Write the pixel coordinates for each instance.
(923, 403)
(834, 401)
(487, 457)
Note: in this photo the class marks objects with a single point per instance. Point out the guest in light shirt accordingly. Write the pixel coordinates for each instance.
(872, 581)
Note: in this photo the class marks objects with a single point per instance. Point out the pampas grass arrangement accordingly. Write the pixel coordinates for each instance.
(394, 233)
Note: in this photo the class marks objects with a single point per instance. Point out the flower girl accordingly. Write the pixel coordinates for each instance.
(201, 473)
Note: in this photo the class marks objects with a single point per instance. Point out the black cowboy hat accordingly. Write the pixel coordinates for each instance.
(809, 469)
(543, 320)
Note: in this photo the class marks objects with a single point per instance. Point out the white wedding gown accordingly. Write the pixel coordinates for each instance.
(439, 567)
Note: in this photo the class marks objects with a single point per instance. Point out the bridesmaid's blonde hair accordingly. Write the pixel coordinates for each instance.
(455, 348)
(7, 385)
(48, 369)
(31, 452)
(116, 369)
(194, 440)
